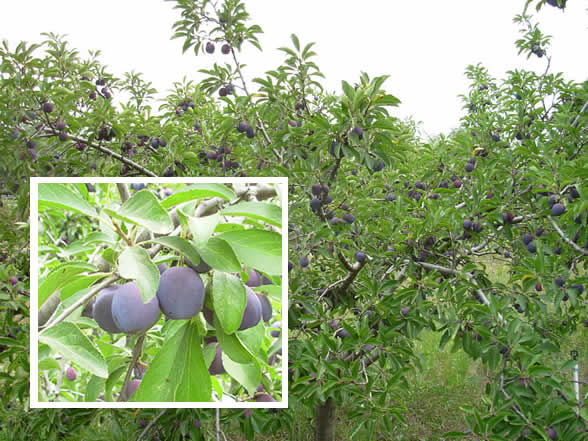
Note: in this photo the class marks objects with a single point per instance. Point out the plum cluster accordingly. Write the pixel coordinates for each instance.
(222, 157)
(180, 296)
(243, 127)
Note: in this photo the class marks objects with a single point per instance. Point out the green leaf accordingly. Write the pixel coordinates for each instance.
(252, 339)
(94, 388)
(144, 209)
(260, 248)
(218, 254)
(295, 41)
(249, 375)
(98, 237)
(198, 191)
(48, 364)
(179, 244)
(134, 263)
(61, 197)
(178, 372)
(78, 285)
(270, 213)
(60, 276)
(203, 227)
(67, 339)
(229, 300)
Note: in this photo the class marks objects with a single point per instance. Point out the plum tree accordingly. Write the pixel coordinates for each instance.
(129, 313)
(180, 293)
(102, 309)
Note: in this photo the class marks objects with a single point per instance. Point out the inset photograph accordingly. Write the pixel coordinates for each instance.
(158, 292)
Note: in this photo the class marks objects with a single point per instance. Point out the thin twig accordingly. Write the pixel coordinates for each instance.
(566, 238)
(137, 351)
(91, 293)
(150, 425)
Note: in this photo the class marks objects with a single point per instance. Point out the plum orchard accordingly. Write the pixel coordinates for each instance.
(171, 361)
(389, 234)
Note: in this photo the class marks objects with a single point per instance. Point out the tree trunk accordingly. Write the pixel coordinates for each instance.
(325, 421)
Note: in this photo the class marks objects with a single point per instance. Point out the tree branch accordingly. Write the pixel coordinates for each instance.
(566, 238)
(150, 425)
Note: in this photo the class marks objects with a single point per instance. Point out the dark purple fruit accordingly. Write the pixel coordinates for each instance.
(468, 224)
(129, 313)
(551, 433)
(210, 47)
(225, 49)
(304, 262)
(60, 125)
(180, 293)
(48, 107)
(360, 257)
(102, 309)
(254, 280)
(252, 312)
(558, 209)
(348, 218)
(266, 307)
(216, 367)
(315, 204)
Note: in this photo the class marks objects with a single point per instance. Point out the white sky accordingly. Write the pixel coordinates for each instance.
(424, 45)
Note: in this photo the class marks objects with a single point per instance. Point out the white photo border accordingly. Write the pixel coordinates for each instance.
(34, 280)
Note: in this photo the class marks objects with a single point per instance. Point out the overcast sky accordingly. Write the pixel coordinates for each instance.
(424, 45)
